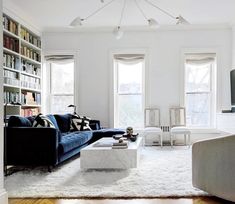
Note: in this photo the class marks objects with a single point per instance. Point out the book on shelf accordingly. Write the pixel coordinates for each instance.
(29, 111)
(10, 25)
(30, 98)
(11, 61)
(10, 96)
(11, 43)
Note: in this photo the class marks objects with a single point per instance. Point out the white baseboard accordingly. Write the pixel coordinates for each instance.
(3, 197)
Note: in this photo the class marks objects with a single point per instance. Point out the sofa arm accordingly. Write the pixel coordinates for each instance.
(32, 146)
(213, 166)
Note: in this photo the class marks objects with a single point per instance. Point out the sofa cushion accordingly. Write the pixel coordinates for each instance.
(95, 124)
(42, 121)
(18, 121)
(63, 122)
(79, 123)
(73, 140)
(53, 120)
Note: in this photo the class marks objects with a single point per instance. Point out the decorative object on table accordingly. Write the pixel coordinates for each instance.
(129, 131)
(74, 108)
(120, 144)
(130, 134)
(117, 137)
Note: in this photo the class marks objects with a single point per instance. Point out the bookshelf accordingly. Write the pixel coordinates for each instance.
(21, 68)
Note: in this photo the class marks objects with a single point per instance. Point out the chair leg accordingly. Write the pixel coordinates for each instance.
(185, 139)
(160, 139)
(189, 140)
(171, 139)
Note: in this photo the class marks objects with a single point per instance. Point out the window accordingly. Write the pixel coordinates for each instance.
(129, 88)
(61, 85)
(200, 89)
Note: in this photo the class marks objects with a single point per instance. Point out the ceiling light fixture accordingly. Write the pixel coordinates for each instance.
(118, 32)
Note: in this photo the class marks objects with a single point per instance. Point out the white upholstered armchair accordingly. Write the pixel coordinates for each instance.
(213, 166)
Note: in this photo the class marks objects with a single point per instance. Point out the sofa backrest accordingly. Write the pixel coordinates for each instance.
(63, 122)
(18, 121)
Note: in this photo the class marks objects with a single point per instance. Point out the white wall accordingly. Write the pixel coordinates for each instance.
(233, 47)
(3, 194)
(164, 49)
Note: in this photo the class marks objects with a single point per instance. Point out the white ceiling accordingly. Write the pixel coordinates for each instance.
(51, 14)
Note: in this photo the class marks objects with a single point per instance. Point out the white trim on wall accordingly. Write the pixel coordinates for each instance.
(3, 193)
(146, 81)
(46, 97)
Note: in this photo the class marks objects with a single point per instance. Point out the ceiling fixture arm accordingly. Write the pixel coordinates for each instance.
(167, 13)
(122, 13)
(142, 12)
(99, 9)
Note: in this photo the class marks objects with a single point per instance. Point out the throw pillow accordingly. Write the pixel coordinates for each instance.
(79, 123)
(42, 121)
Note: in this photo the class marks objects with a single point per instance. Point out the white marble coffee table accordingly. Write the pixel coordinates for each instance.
(93, 157)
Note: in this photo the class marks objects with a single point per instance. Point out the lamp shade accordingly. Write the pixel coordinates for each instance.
(118, 33)
(181, 20)
(153, 23)
(76, 22)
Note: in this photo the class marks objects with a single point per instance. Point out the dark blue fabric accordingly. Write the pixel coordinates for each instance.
(108, 132)
(17, 121)
(53, 120)
(31, 119)
(63, 122)
(74, 140)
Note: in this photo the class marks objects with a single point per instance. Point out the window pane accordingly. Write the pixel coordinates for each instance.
(130, 78)
(198, 77)
(59, 104)
(62, 78)
(198, 109)
(130, 111)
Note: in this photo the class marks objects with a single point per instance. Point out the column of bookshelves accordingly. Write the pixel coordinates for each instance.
(22, 69)
(30, 50)
(11, 66)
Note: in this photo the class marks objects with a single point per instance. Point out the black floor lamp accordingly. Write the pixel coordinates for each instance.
(74, 108)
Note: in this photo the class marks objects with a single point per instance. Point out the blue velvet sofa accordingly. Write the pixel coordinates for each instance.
(46, 146)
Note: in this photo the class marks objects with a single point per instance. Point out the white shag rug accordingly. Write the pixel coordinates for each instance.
(163, 172)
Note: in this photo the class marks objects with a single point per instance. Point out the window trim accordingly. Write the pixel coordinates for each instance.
(50, 87)
(116, 90)
(46, 76)
(214, 83)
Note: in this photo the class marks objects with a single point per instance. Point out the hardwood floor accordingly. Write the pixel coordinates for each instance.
(199, 200)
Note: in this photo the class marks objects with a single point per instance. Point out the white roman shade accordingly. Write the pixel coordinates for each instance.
(129, 58)
(199, 59)
(59, 58)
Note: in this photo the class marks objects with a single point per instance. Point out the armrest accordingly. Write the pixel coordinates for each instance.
(213, 166)
(32, 146)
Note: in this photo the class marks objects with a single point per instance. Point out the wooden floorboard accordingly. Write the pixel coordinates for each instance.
(197, 200)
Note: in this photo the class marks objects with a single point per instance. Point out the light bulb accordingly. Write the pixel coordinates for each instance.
(76, 22)
(153, 23)
(118, 33)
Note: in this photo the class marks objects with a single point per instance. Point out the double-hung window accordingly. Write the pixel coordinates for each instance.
(60, 84)
(200, 89)
(128, 90)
